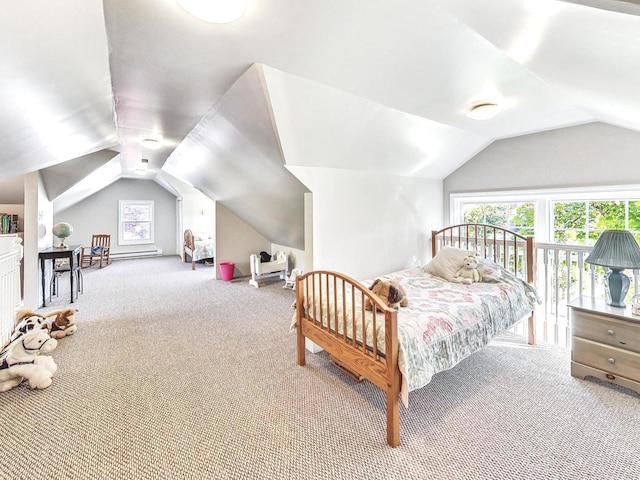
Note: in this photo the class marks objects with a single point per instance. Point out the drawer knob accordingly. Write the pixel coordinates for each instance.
(611, 360)
(610, 332)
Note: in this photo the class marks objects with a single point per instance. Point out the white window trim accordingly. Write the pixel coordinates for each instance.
(121, 205)
(543, 199)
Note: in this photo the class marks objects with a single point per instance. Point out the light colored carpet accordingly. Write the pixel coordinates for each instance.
(174, 375)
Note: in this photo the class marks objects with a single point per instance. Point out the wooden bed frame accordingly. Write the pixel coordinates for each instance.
(340, 293)
(188, 247)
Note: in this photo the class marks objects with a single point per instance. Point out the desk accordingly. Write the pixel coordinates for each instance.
(71, 252)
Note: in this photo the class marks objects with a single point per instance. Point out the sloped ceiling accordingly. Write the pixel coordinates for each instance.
(374, 85)
(234, 156)
(55, 84)
(57, 180)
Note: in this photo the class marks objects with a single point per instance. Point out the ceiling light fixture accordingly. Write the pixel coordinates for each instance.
(151, 143)
(214, 11)
(483, 110)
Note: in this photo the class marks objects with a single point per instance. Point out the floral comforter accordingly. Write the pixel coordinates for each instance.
(203, 249)
(445, 322)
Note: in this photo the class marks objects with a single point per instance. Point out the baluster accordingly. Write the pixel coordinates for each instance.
(556, 294)
(547, 300)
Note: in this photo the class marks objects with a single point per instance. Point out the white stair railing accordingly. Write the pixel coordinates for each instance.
(10, 295)
(562, 276)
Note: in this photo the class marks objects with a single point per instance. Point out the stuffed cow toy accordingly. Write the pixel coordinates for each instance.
(23, 361)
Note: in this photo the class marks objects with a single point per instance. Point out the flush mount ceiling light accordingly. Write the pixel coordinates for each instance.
(151, 143)
(214, 11)
(483, 110)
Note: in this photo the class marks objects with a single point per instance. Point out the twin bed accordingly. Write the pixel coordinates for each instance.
(445, 322)
(197, 248)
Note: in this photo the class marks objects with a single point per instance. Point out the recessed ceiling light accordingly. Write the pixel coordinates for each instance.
(483, 110)
(151, 143)
(214, 11)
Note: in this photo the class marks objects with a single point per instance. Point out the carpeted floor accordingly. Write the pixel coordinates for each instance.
(174, 375)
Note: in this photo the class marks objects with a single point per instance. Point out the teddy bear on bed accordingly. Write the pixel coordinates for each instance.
(468, 273)
(390, 292)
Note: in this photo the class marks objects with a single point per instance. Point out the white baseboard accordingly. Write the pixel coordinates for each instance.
(143, 253)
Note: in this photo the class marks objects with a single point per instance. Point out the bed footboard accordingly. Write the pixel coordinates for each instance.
(331, 313)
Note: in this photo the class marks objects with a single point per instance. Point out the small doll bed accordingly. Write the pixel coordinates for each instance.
(262, 270)
(444, 323)
(196, 248)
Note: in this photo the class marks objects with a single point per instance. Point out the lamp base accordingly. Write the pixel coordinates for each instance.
(616, 286)
(62, 244)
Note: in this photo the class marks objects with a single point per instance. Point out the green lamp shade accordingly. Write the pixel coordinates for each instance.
(616, 250)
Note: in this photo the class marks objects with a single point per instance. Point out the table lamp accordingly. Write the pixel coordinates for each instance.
(615, 250)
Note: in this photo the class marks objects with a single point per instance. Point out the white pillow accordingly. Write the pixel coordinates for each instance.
(447, 262)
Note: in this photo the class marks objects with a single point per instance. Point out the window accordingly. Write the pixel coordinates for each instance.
(581, 223)
(516, 216)
(135, 222)
(570, 216)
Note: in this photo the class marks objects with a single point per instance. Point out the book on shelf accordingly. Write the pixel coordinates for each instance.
(8, 223)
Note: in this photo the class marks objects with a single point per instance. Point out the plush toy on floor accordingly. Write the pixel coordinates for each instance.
(23, 362)
(61, 323)
(468, 274)
(27, 320)
(390, 292)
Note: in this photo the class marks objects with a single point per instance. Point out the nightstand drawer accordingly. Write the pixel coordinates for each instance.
(606, 358)
(607, 330)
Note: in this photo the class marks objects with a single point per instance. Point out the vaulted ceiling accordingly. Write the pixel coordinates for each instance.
(377, 85)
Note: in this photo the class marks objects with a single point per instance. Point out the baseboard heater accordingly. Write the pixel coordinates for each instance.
(143, 253)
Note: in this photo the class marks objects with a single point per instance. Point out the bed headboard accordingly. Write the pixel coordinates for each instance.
(513, 251)
(188, 239)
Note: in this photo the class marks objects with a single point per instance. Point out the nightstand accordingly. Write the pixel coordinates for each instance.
(605, 342)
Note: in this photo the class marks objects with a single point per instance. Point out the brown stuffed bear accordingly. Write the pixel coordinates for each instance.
(390, 292)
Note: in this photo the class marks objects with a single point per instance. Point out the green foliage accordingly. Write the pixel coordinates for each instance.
(569, 220)
(489, 213)
(517, 216)
(583, 222)
(525, 218)
(578, 223)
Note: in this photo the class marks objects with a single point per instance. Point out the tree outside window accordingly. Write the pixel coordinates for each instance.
(516, 216)
(556, 220)
(581, 223)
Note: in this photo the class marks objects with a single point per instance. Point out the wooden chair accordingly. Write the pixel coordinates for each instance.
(99, 251)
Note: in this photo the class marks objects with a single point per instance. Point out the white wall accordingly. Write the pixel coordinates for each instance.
(198, 214)
(236, 241)
(594, 154)
(99, 214)
(296, 257)
(367, 224)
(38, 220)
